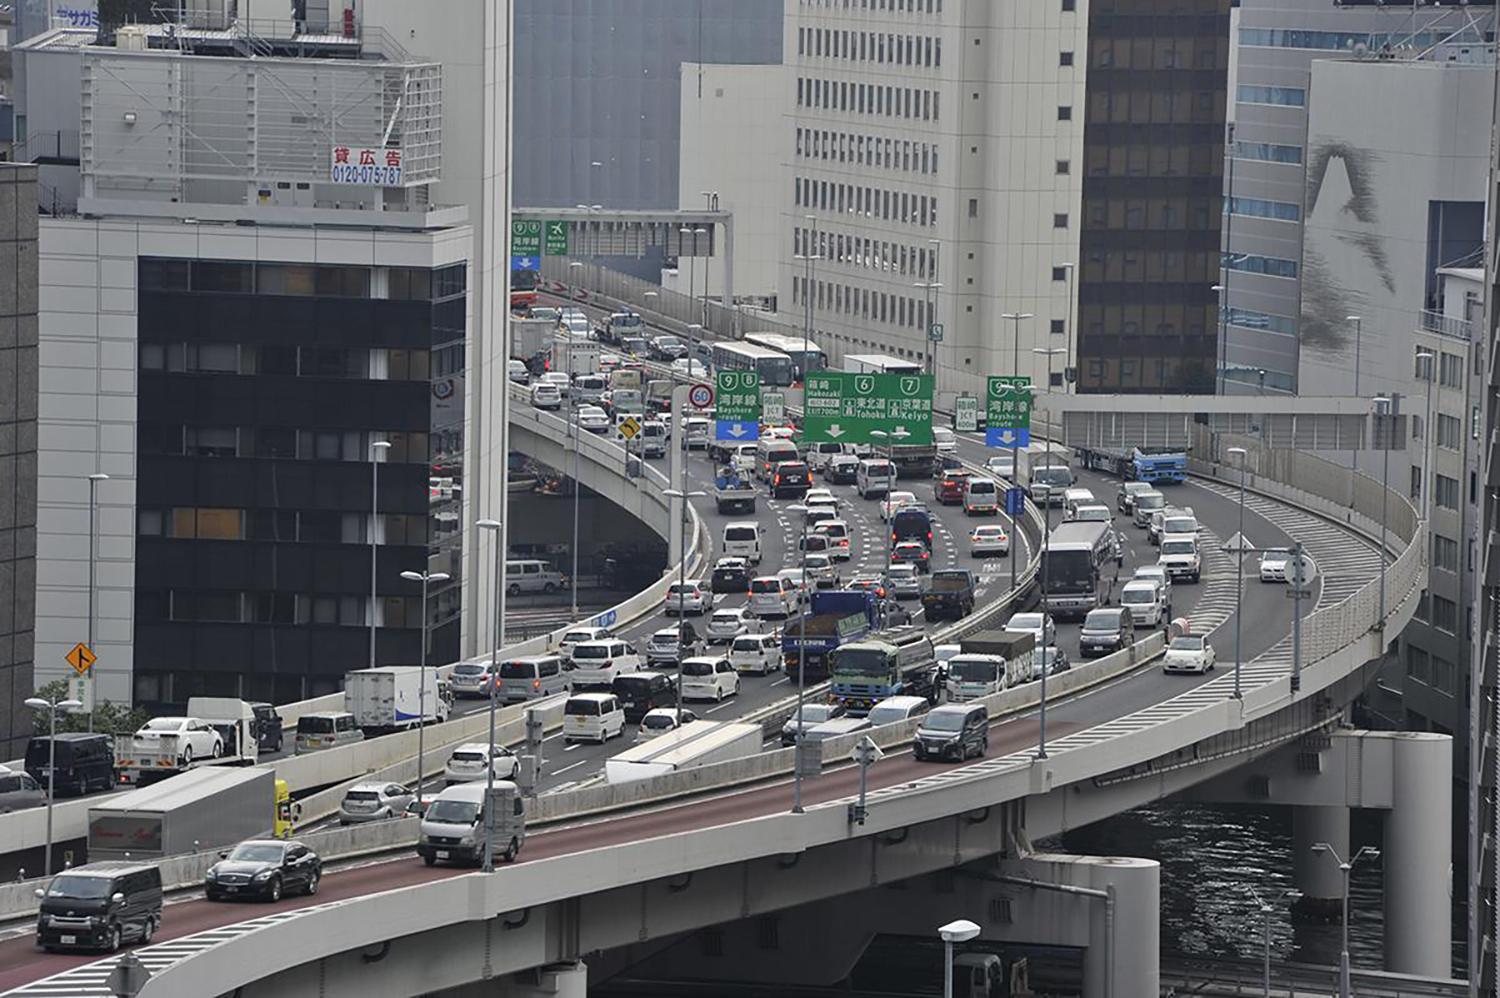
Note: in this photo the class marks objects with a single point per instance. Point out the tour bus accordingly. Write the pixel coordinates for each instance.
(879, 363)
(1074, 561)
(807, 357)
(774, 367)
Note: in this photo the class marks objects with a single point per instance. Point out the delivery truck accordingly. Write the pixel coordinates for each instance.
(696, 743)
(389, 698)
(199, 811)
(531, 341)
(987, 663)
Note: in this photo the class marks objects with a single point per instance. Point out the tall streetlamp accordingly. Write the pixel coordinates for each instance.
(960, 931)
(695, 343)
(1345, 869)
(1015, 479)
(1384, 409)
(695, 232)
(889, 439)
(681, 582)
(1069, 361)
(1426, 358)
(424, 578)
(810, 257)
(94, 481)
(593, 229)
(1225, 258)
(51, 707)
(377, 450)
(1241, 456)
(498, 637)
(1357, 324)
(1266, 911)
(1041, 748)
(1016, 317)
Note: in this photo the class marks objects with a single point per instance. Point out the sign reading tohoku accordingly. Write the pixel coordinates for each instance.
(841, 407)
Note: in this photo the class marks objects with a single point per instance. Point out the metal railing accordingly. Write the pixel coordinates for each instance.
(1445, 325)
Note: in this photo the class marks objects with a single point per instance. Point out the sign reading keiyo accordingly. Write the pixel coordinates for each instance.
(846, 408)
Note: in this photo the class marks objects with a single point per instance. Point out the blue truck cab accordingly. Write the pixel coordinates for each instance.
(836, 617)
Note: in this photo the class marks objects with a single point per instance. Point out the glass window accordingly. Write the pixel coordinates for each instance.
(221, 524)
(343, 282)
(211, 441)
(1281, 211)
(1445, 491)
(409, 284)
(1268, 152)
(164, 275)
(1269, 266)
(286, 279)
(1282, 96)
(235, 278)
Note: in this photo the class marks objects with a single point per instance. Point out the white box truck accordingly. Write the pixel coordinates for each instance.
(389, 698)
(697, 743)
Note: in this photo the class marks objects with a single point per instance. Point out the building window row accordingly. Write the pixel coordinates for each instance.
(1374, 41)
(1167, 50)
(869, 254)
(279, 525)
(1281, 211)
(235, 607)
(178, 440)
(861, 303)
(868, 98)
(867, 150)
(1247, 318)
(906, 207)
(1267, 266)
(870, 46)
(250, 277)
(1150, 213)
(896, 6)
(1249, 93)
(358, 363)
(1155, 266)
(1155, 107)
(1268, 152)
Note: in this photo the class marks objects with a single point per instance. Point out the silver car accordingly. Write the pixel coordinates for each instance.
(470, 679)
(374, 802)
(18, 791)
(904, 582)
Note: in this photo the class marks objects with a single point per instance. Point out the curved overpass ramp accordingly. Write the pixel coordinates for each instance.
(603, 873)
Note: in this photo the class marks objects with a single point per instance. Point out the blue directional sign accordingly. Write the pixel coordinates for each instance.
(1006, 436)
(525, 263)
(1015, 500)
(606, 619)
(738, 430)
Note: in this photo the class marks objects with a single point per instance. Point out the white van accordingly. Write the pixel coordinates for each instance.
(532, 576)
(1143, 598)
(742, 540)
(774, 596)
(770, 452)
(820, 454)
(981, 497)
(652, 440)
(596, 664)
(453, 825)
(755, 654)
(742, 458)
(1076, 497)
(876, 477)
(595, 717)
(590, 387)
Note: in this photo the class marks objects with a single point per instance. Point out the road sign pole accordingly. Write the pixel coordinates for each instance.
(1015, 522)
(88, 675)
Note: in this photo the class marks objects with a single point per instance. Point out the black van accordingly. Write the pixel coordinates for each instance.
(912, 523)
(99, 906)
(639, 692)
(953, 731)
(84, 762)
(270, 732)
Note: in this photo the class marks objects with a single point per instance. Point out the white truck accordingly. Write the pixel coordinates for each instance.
(531, 339)
(697, 743)
(389, 698)
(988, 663)
(192, 812)
(575, 356)
(160, 750)
(1045, 472)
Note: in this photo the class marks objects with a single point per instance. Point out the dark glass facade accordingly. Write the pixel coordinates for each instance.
(1152, 195)
(262, 389)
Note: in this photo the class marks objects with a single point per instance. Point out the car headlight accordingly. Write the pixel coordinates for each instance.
(212, 874)
(466, 840)
(264, 875)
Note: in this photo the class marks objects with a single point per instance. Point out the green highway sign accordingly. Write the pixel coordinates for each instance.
(738, 397)
(840, 407)
(1005, 406)
(557, 239)
(525, 238)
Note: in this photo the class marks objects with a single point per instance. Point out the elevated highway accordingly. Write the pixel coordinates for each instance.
(598, 877)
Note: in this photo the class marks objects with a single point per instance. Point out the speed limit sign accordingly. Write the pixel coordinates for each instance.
(701, 396)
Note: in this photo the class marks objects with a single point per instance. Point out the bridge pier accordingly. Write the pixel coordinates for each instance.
(1317, 876)
(1418, 856)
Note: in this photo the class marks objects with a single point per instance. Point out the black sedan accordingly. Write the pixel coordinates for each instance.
(731, 575)
(264, 869)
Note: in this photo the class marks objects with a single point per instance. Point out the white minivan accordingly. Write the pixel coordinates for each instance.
(595, 717)
(742, 540)
(981, 497)
(774, 596)
(876, 477)
(532, 576)
(596, 664)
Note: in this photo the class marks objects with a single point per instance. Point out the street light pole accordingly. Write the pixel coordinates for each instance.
(810, 256)
(1041, 750)
(1069, 360)
(1239, 568)
(1384, 408)
(886, 541)
(960, 931)
(89, 697)
(498, 638)
(1357, 321)
(424, 578)
(681, 583)
(377, 448)
(1346, 869)
(51, 707)
(1016, 317)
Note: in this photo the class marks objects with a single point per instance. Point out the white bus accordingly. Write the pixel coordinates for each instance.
(879, 363)
(807, 357)
(774, 367)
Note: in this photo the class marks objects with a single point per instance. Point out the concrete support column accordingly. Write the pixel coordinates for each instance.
(1418, 855)
(1317, 876)
(1120, 899)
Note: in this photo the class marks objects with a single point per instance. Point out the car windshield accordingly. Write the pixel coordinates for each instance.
(572, 638)
(1150, 572)
(886, 715)
(944, 721)
(1095, 514)
(726, 617)
(691, 668)
(315, 725)
(453, 812)
(1025, 622)
(591, 651)
(1101, 620)
(468, 669)
(972, 670)
(1179, 525)
(72, 885)
(1053, 476)
(765, 585)
(1177, 547)
(747, 644)
(163, 724)
(361, 795)
(517, 670)
(1275, 554)
(862, 662)
(470, 756)
(739, 534)
(903, 573)
(1187, 642)
(1137, 597)
(658, 722)
(633, 685)
(664, 637)
(1150, 500)
(257, 852)
(679, 589)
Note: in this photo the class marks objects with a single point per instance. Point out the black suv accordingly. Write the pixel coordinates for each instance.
(1106, 630)
(953, 731)
(99, 906)
(790, 478)
(641, 692)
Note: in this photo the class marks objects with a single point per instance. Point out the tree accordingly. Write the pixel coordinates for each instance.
(109, 718)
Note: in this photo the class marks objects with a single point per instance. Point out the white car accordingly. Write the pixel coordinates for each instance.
(594, 419)
(689, 368)
(1039, 625)
(687, 597)
(1142, 597)
(596, 664)
(660, 720)
(840, 538)
(545, 396)
(1188, 653)
(1092, 513)
(577, 636)
(1275, 564)
(1179, 556)
(709, 678)
(893, 501)
(821, 570)
(1001, 466)
(816, 509)
(988, 539)
(1159, 575)
(558, 378)
(756, 654)
(821, 497)
(905, 583)
(466, 764)
(193, 737)
(944, 440)
(725, 625)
